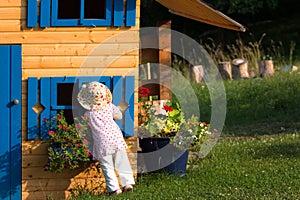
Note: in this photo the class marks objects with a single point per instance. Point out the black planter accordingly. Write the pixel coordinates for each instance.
(158, 155)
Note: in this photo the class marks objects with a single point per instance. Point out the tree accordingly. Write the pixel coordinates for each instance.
(243, 7)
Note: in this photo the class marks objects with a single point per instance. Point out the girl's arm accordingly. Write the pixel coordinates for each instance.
(117, 114)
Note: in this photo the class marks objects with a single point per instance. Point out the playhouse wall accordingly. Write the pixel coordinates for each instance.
(62, 51)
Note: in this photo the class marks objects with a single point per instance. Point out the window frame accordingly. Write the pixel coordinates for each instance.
(107, 21)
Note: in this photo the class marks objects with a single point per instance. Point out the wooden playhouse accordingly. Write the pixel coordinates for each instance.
(44, 45)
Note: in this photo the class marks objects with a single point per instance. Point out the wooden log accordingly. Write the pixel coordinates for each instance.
(197, 73)
(68, 37)
(130, 49)
(240, 68)
(164, 44)
(13, 12)
(225, 70)
(63, 62)
(265, 68)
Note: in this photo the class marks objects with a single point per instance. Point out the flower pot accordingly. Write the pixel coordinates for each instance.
(158, 155)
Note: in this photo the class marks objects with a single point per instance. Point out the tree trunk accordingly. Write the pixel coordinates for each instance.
(225, 70)
(266, 68)
(240, 68)
(197, 73)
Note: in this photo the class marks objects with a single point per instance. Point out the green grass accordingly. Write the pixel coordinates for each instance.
(262, 167)
(257, 157)
(267, 101)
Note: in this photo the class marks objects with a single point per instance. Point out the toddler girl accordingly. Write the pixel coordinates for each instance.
(109, 147)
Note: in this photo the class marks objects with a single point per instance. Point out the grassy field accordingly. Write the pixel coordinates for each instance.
(257, 156)
(265, 104)
(262, 167)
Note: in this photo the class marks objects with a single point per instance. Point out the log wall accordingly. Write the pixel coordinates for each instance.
(62, 51)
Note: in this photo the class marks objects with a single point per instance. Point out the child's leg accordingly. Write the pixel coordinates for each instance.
(108, 170)
(123, 168)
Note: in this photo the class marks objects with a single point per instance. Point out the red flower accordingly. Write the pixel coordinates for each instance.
(60, 126)
(65, 128)
(45, 119)
(144, 92)
(79, 145)
(58, 118)
(51, 133)
(168, 108)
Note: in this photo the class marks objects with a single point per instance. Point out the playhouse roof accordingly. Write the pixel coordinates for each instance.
(197, 10)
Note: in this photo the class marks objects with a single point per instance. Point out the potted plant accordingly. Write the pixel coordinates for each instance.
(166, 125)
(68, 146)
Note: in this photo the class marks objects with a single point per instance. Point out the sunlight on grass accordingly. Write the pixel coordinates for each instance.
(238, 168)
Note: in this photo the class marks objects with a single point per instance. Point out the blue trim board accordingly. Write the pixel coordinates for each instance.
(129, 113)
(32, 13)
(130, 12)
(32, 99)
(118, 12)
(117, 94)
(45, 13)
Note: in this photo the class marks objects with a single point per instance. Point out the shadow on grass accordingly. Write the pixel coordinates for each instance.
(284, 150)
(266, 128)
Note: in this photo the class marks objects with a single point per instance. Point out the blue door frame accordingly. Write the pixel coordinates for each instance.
(10, 119)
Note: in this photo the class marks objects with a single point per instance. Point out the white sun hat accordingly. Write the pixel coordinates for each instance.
(94, 96)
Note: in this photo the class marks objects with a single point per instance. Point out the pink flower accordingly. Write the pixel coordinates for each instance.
(85, 118)
(85, 141)
(65, 128)
(215, 130)
(78, 126)
(79, 145)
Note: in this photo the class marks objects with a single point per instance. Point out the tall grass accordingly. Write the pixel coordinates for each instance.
(252, 51)
(273, 99)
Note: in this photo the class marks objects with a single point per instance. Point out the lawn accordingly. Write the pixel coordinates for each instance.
(261, 167)
(257, 156)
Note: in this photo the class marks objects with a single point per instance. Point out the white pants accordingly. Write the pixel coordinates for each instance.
(120, 162)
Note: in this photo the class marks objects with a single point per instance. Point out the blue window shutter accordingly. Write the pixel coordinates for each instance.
(117, 93)
(123, 92)
(130, 12)
(32, 13)
(118, 12)
(102, 79)
(32, 116)
(45, 94)
(45, 13)
(129, 113)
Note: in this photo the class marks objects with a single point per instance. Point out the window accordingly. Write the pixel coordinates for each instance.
(49, 95)
(81, 12)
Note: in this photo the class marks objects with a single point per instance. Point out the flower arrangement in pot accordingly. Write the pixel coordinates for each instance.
(167, 123)
(68, 146)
